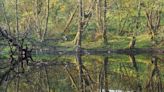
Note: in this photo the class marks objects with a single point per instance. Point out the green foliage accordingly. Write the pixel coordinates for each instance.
(122, 15)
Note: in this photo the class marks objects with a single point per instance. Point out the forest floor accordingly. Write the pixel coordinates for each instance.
(115, 42)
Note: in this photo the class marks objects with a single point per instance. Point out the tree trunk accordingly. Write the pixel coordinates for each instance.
(104, 23)
(17, 22)
(6, 18)
(70, 19)
(138, 15)
(81, 74)
(101, 19)
(78, 37)
(47, 79)
(47, 18)
(37, 12)
(98, 13)
(106, 74)
(153, 22)
(132, 43)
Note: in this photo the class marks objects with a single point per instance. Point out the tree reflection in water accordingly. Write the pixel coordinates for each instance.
(84, 73)
(154, 82)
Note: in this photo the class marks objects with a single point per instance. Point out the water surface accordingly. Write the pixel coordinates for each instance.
(85, 73)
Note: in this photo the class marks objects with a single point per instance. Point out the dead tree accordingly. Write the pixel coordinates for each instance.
(153, 22)
(23, 53)
(18, 54)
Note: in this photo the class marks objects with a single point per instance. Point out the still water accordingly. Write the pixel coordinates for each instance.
(85, 73)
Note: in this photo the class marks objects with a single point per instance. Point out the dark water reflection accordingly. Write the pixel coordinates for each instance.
(87, 73)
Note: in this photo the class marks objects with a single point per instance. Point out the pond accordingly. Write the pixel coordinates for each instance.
(85, 73)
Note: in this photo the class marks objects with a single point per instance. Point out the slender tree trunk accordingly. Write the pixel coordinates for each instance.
(37, 19)
(101, 80)
(17, 79)
(47, 79)
(17, 85)
(17, 18)
(122, 24)
(89, 13)
(6, 18)
(104, 24)
(80, 64)
(70, 20)
(47, 18)
(101, 19)
(138, 14)
(106, 74)
(98, 13)
(78, 37)
(71, 78)
(133, 60)
(153, 22)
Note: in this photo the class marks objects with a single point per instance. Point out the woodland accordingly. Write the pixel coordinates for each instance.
(81, 45)
(90, 24)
